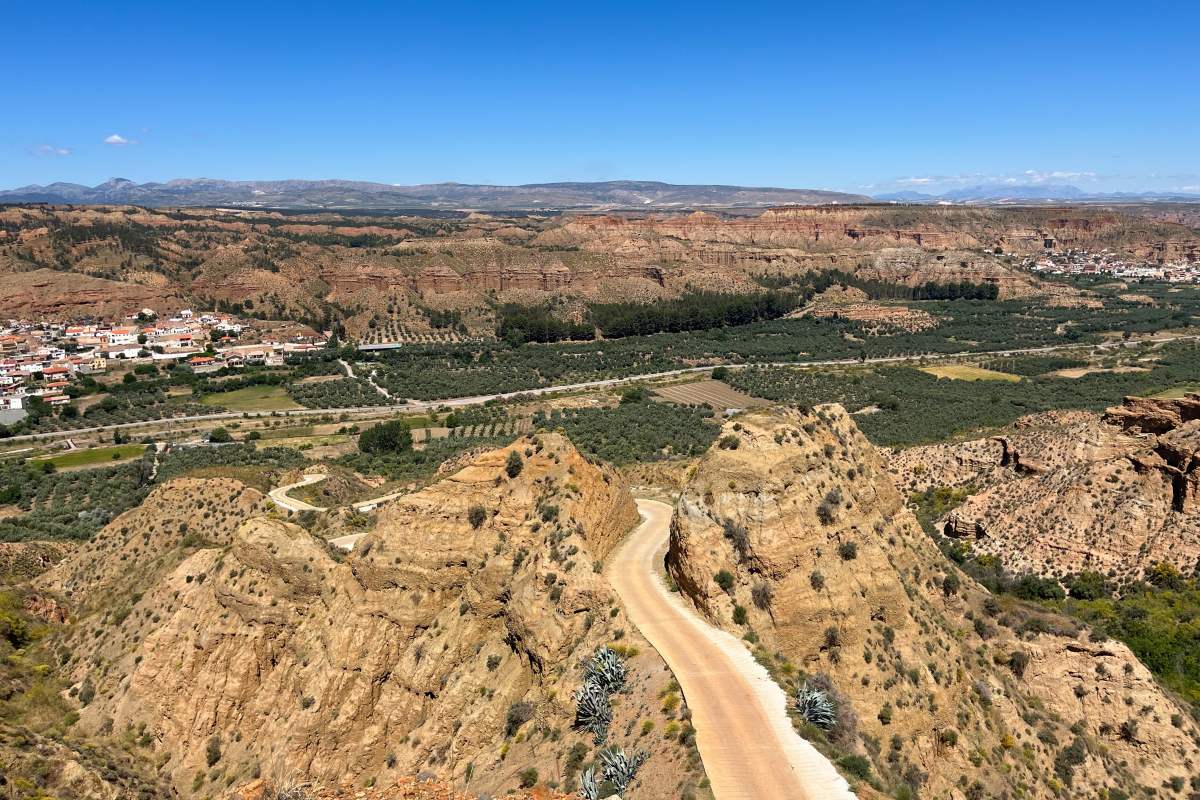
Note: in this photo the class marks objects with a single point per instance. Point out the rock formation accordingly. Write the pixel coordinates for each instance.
(449, 642)
(791, 534)
(1063, 492)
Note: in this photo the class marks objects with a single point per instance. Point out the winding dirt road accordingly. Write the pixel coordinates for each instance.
(746, 740)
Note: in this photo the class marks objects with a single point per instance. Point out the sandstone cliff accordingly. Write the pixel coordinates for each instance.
(942, 686)
(1063, 492)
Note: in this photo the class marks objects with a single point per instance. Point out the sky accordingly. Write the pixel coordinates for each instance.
(863, 97)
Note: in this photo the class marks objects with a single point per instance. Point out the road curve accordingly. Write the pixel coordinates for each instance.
(746, 740)
(280, 494)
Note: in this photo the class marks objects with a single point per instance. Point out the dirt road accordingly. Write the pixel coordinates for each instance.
(746, 740)
(280, 494)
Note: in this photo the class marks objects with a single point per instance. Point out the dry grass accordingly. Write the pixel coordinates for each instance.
(966, 372)
(715, 394)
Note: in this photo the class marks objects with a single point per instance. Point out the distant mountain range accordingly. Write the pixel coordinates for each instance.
(348, 195)
(597, 196)
(993, 194)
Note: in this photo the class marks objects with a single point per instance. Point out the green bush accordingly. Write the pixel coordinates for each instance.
(724, 579)
(386, 437)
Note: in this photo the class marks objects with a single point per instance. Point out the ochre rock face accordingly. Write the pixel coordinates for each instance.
(63, 295)
(836, 578)
(1063, 492)
(300, 265)
(404, 657)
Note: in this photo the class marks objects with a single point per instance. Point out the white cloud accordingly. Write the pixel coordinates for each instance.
(117, 140)
(50, 151)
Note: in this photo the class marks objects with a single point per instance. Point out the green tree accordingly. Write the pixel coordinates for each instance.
(514, 465)
(386, 437)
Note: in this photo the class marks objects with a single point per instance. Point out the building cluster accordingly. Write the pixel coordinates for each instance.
(42, 358)
(1105, 262)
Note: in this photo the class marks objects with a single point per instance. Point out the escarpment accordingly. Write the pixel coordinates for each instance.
(792, 535)
(450, 642)
(1065, 492)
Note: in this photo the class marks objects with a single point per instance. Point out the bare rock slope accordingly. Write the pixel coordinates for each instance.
(449, 643)
(793, 535)
(1063, 492)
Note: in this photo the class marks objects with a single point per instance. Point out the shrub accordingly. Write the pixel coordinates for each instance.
(950, 585)
(529, 778)
(816, 580)
(720, 373)
(724, 579)
(738, 536)
(739, 615)
(729, 442)
(885, 714)
(518, 714)
(848, 551)
(212, 752)
(476, 515)
(761, 594)
(386, 437)
(514, 464)
(948, 737)
(1018, 662)
(593, 711)
(856, 765)
(220, 436)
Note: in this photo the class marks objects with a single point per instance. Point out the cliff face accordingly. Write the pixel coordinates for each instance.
(370, 269)
(1064, 492)
(835, 578)
(449, 642)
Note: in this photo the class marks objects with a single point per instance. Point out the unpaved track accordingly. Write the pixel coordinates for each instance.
(746, 740)
(280, 494)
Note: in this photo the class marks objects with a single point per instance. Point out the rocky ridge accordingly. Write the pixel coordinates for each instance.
(449, 642)
(792, 534)
(1064, 492)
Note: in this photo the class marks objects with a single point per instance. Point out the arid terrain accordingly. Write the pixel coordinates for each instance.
(392, 278)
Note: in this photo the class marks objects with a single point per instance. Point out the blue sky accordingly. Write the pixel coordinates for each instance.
(862, 96)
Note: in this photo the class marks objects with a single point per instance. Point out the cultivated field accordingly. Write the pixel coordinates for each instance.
(966, 372)
(714, 394)
(94, 457)
(253, 398)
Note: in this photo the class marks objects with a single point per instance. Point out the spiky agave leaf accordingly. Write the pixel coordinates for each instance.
(815, 706)
(589, 788)
(593, 711)
(620, 769)
(606, 669)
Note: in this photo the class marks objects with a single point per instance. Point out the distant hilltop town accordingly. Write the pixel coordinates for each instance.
(1077, 261)
(41, 360)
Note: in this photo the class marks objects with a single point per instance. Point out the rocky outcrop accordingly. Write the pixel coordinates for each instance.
(65, 295)
(1155, 415)
(449, 642)
(796, 539)
(1070, 491)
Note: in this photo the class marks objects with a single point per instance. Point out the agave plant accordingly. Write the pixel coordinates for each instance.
(593, 711)
(606, 670)
(589, 789)
(815, 706)
(620, 769)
